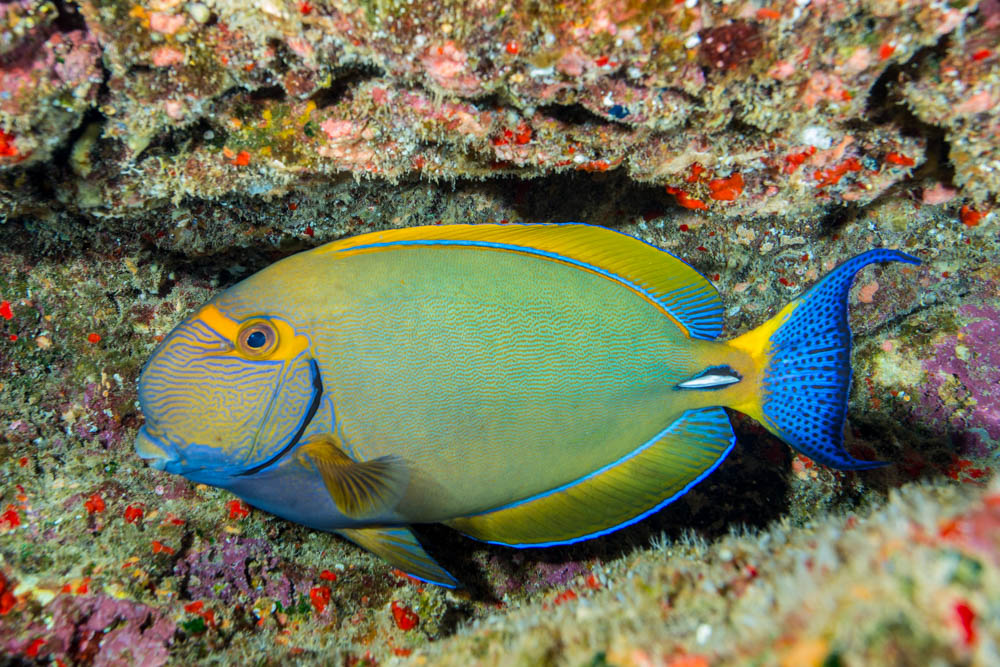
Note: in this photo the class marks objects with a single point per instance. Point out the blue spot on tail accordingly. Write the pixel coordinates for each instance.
(809, 377)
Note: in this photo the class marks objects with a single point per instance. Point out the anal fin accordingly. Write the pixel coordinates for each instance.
(617, 495)
(360, 489)
(399, 547)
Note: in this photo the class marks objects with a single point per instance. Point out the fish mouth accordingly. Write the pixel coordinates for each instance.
(150, 448)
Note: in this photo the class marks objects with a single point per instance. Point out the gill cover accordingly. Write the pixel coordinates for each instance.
(227, 395)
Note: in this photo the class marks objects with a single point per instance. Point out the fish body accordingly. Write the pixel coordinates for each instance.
(528, 385)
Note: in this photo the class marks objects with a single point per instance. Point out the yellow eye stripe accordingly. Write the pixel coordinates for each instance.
(289, 344)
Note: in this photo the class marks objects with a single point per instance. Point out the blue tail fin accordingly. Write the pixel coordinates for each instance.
(807, 375)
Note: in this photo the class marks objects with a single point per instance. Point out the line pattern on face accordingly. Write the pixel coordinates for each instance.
(190, 389)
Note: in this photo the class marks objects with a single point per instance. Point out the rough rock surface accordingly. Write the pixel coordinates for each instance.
(112, 109)
(152, 153)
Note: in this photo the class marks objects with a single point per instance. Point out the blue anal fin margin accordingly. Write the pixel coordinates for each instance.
(399, 547)
(806, 383)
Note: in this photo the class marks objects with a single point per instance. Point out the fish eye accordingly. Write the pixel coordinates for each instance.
(257, 339)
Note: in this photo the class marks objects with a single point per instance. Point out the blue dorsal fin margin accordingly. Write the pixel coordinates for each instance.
(697, 307)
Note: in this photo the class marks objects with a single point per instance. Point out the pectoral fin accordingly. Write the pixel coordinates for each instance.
(399, 547)
(360, 489)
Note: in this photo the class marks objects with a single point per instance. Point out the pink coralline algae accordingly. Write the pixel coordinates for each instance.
(98, 630)
(49, 78)
(964, 381)
(544, 576)
(448, 66)
(165, 56)
(239, 569)
(166, 24)
(646, 90)
(977, 530)
(99, 418)
(348, 143)
(533, 576)
(965, 101)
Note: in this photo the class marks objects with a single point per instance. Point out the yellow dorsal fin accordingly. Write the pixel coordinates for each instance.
(359, 489)
(690, 299)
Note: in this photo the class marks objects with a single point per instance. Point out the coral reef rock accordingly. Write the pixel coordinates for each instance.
(153, 152)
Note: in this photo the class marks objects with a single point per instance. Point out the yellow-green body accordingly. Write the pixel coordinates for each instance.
(493, 385)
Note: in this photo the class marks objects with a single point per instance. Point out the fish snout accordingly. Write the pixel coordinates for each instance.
(158, 453)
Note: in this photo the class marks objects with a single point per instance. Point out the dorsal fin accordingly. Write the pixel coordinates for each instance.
(690, 299)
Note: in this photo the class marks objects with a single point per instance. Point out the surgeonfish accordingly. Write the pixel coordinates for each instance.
(527, 385)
